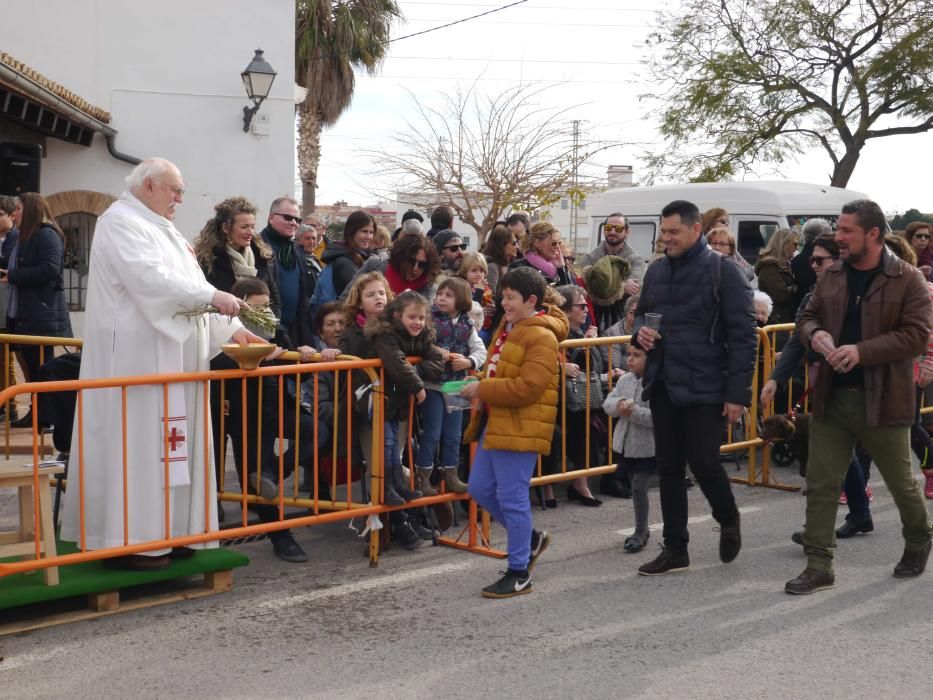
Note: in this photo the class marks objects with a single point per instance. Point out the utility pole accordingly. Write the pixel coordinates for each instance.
(574, 184)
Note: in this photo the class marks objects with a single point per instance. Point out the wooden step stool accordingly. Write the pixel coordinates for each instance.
(21, 542)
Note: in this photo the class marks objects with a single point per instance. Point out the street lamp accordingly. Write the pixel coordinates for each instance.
(257, 78)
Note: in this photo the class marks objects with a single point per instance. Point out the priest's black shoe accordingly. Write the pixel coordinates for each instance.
(286, 549)
(853, 527)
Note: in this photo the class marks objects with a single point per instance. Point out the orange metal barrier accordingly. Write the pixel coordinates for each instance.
(474, 536)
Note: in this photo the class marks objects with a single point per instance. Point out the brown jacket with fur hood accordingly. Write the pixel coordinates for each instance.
(393, 344)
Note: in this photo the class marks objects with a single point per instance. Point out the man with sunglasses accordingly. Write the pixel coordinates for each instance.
(291, 273)
(611, 310)
(450, 247)
(800, 268)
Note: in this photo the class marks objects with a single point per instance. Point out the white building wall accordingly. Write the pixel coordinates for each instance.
(169, 73)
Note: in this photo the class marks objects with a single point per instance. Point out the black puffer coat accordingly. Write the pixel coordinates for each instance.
(706, 354)
(41, 308)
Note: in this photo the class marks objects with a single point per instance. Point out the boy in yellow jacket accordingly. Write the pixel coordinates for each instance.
(518, 392)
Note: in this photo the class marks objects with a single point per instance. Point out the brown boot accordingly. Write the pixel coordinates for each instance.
(424, 481)
(452, 481)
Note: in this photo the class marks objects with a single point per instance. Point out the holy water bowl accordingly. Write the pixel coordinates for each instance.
(248, 356)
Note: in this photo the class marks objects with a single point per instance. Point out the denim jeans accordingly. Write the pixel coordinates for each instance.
(438, 426)
(499, 483)
(854, 488)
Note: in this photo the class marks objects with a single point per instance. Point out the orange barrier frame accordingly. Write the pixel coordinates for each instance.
(474, 536)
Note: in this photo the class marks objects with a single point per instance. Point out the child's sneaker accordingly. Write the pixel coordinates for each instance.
(869, 492)
(511, 584)
(540, 539)
(843, 499)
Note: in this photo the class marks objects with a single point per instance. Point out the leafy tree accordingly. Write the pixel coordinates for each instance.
(767, 80)
(332, 37)
(900, 221)
(484, 155)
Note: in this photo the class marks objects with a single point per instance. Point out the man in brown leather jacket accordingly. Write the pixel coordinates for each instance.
(869, 317)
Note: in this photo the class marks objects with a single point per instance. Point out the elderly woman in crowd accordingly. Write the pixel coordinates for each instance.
(348, 255)
(36, 302)
(541, 248)
(721, 240)
(501, 249)
(774, 274)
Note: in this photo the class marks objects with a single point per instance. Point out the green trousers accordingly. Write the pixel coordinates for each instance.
(832, 439)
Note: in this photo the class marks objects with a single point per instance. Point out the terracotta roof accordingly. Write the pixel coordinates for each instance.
(56, 89)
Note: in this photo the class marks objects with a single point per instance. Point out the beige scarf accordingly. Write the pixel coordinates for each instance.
(244, 264)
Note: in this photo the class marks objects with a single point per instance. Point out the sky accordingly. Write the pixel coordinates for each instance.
(591, 52)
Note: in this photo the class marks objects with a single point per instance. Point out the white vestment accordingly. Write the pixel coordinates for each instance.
(142, 273)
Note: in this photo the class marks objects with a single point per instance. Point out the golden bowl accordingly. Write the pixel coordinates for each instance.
(248, 356)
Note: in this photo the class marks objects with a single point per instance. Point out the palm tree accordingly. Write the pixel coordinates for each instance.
(332, 37)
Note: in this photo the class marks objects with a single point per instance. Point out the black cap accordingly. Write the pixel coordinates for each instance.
(412, 214)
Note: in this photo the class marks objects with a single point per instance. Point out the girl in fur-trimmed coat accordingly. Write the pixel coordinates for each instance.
(403, 330)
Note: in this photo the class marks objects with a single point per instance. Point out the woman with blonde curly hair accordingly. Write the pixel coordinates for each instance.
(228, 248)
(541, 248)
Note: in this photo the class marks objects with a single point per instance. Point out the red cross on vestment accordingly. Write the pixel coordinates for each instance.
(176, 438)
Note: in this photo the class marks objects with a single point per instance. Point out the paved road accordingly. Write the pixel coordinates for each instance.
(417, 627)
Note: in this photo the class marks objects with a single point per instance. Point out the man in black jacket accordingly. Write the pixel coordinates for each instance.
(292, 275)
(701, 360)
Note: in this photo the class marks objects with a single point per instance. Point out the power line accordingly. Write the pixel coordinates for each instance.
(514, 60)
(459, 21)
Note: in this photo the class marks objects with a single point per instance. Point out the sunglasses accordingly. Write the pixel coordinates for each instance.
(618, 228)
(288, 217)
(578, 306)
(454, 247)
(419, 264)
(819, 260)
(922, 236)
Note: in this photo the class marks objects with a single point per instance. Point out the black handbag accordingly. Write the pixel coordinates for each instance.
(577, 392)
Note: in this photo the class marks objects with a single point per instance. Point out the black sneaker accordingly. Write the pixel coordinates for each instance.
(730, 541)
(286, 549)
(406, 536)
(540, 539)
(425, 533)
(666, 563)
(511, 584)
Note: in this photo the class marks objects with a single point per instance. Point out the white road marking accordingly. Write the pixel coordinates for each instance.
(690, 521)
(392, 579)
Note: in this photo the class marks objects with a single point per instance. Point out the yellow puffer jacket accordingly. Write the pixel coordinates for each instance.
(521, 400)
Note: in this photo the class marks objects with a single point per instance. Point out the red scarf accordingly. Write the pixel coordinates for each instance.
(398, 285)
(493, 362)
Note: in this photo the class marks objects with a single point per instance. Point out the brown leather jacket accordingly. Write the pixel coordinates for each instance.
(895, 330)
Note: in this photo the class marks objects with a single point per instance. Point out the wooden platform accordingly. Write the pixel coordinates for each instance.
(90, 589)
(41, 615)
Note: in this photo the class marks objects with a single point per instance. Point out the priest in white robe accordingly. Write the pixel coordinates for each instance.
(142, 274)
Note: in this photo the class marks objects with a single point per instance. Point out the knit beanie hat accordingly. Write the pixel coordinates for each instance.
(605, 278)
(442, 238)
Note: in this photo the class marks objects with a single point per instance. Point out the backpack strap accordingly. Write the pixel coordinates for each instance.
(715, 270)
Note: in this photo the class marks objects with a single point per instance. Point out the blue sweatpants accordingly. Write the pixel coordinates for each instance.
(499, 483)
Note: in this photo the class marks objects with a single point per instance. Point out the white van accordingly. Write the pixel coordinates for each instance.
(756, 209)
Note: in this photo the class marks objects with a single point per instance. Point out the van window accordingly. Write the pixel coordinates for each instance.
(798, 220)
(641, 236)
(752, 236)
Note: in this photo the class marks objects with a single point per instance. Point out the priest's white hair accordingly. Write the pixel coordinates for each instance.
(149, 168)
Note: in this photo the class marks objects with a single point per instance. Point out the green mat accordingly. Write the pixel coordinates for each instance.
(91, 577)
